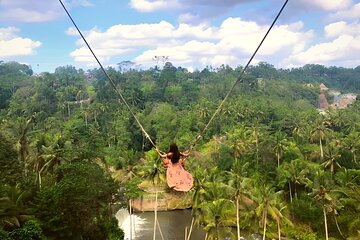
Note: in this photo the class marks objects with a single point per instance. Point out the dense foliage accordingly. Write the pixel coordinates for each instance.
(268, 163)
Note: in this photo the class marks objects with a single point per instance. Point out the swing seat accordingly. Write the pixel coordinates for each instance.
(177, 177)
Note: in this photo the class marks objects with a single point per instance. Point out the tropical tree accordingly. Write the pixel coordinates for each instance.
(218, 218)
(153, 170)
(239, 140)
(266, 199)
(280, 143)
(10, 166)
(238, 182)
(352, 143)
(331, 157)
(296, 173)
(13, 211)
(325, 197)
(77, 205)
(320, 132)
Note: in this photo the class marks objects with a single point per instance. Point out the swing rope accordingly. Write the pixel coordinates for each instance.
(109, 78)
(239, 79)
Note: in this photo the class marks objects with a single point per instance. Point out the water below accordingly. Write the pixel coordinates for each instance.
(172, 225)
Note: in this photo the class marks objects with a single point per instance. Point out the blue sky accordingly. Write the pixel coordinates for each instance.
(192, 33)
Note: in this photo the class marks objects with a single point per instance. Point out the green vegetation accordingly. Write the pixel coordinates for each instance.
(269, 162)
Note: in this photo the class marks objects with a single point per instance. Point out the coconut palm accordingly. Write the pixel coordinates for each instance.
(279, 146)
(352, 143)
(238, 182)
(12, 209)
(295, 173)
(262, 208)
(218, 218)
(330, 157)
(153, 170)
(268, 202)
(197, 197)
(325, 197)
(320, 131)
(239, 140)
(48, 154)
(21, 128)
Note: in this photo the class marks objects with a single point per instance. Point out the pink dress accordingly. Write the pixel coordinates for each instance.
(177, 177)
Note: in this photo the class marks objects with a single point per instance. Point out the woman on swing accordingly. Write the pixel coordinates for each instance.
(176, 176)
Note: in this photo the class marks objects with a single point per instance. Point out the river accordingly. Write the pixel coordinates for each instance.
(172, 225)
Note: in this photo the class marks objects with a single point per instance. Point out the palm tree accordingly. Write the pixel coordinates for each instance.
(48, 155)
(320, 132)
(197, 197)
(280, 144)
(325, 197)
(352, 143)
(238, 182)
(268, 202)
(331, 156)
(21, 130)
(218, 218)
(350, 197)
(12, 209)
(255, 137)
(239, 140)
(295, 173)
(338, 119)
(153, 170)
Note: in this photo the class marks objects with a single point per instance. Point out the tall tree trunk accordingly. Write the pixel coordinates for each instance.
(131, 225)
(321, 151)
(278, 160)
(279, 230)
(325, 223)
(265, 218)
(291, 199)
(338, 227)
(155, 217)
(238, 217)
(68, 107)
(86, 120)
(355, 161)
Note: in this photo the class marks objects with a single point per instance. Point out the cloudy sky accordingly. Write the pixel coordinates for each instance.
(192, 33)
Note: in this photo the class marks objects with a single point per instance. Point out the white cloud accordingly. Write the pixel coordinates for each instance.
(345, 49)
(71, 31)
(342, 48)
(12, 45)
(154, 5)
(83, 54)
(342, 28)
(351, 13)
(190, 11)
(187, 45)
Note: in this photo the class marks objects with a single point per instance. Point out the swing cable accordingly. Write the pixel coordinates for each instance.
(239, 79)
(109, 78)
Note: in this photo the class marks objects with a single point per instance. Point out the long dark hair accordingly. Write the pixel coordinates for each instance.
(175, 153)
